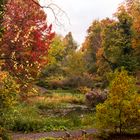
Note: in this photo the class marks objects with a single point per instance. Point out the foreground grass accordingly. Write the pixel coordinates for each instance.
(28, 120)
(50, 112)
(55, 111)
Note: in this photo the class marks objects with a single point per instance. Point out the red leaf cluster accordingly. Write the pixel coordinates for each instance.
(26, 38)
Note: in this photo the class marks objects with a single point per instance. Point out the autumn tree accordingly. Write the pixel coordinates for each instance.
(55, 57)
(26, 39)
(113, 43)
(101, 48)
(117, 42)
(70, 47)
(133, 8)
(121, 111)
(69, 44)
(60, 53)
(91, 45)
(128, 58)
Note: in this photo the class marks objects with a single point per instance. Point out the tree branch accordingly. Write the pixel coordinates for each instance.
(113, 66)
(50, 7)
(7, 58)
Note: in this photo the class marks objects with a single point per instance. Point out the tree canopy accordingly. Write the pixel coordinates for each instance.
(26, 38)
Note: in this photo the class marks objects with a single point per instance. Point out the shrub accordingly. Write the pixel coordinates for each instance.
(9, 90)
(52, 82)
(75, 81)
(4, 135)
(121, 111)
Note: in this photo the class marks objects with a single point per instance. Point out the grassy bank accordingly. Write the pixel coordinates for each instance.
(56, 110)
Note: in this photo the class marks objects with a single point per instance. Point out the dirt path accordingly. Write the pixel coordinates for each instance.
(61, 134)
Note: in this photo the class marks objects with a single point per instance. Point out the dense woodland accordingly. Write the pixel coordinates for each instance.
(44, 76)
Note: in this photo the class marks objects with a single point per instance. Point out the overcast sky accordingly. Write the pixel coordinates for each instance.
(81, 13)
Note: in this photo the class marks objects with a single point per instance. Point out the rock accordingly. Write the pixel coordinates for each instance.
(68, 134)
(84, 132)
(96, 96)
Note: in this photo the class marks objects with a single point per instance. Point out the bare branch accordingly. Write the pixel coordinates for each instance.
(52, 7)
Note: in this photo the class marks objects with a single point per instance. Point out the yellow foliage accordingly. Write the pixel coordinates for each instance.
(9, 90)
(121, 110)
(84, 89)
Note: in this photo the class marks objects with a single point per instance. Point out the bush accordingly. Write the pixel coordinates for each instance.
(52, 82)
(121, 111)
(75, 81)
(9, 90)
(4, 135)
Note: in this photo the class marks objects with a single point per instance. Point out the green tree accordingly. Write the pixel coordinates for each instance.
(111, 47)
(69, 44)
(91, 45)
(117, 42)
(104, 64)
(76, 64)
(70, 47)
(121, 111)
(133, 8)
(55, 57)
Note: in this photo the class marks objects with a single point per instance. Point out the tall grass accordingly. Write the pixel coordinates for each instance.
(28, 117)
(58, 99)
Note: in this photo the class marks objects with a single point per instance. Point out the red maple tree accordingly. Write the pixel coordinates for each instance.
(26, 39)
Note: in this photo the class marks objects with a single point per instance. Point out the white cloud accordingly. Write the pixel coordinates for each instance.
(81, 14)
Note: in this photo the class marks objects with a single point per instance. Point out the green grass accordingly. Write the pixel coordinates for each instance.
(29, 120)
(58, 99)
(35, 116)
